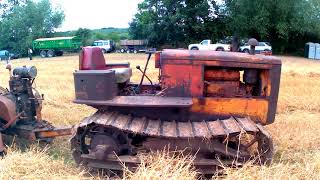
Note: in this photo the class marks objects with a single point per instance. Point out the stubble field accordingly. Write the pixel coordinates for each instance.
(296, 130)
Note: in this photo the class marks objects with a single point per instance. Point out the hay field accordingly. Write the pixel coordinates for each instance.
(295, 131)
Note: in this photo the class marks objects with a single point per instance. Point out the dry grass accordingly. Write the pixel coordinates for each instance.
(36, 164)
(295, 131)
(163, 165)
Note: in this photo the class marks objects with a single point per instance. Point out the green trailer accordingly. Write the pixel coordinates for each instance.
(49, 47)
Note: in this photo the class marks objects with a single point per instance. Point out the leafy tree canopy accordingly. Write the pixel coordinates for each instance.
(176, 21)
(85, 35)
(25, 21)
(287, 24)
(283, 22)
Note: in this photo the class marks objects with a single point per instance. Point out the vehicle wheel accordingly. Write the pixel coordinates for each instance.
(104, 51)
(50, 53)
(43, 54)
(59, 53)
(194, 48)
(128, 51)
(246, 51)
(135, 51)
(122, 50)
(219, 49)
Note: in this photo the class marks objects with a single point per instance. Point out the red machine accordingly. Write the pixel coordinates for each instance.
(210, 104)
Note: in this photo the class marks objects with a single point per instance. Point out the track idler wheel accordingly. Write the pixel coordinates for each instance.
(103, 145)
(99, 143)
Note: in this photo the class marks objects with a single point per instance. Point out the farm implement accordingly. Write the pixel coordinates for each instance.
(212, 105)
(20, 108)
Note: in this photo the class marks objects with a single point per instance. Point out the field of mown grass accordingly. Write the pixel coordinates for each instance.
(296, 130)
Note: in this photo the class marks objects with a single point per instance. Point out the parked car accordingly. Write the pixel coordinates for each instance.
(14, 55)
(206, 45)
(4, 55)
(262, 46)
(105, 45)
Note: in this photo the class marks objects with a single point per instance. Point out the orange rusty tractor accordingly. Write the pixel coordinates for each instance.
(213, 105)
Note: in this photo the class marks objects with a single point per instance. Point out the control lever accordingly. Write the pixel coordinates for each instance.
(144, 73)
(139, 68)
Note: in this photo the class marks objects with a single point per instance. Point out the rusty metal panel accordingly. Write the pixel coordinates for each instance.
(95, 85)
(222, 88)
(169, 129)
(247, 124)
(217, 56)
(51, 133)
(236, 106)
(137, 125)
(153, 127)
(231, 125)
(221, 75)
(216, 128)
(185, 129)
(188, 82)
(201, 129)
(141, 101)
(7, 109)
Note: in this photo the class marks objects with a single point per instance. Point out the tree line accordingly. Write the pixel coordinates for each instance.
(287, 24)
(22, 21)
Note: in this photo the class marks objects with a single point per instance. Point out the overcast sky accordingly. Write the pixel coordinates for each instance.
(94, 14)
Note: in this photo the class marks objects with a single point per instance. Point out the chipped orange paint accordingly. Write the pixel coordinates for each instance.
(54, 132)
(232, 106)
(221, 75)
(223, 88)
(186, 81)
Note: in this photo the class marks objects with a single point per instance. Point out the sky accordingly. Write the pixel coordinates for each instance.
(95, 14)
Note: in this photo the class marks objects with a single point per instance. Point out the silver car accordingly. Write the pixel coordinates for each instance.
(262, 46)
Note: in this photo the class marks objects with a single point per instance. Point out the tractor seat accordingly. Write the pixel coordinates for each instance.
(91, 58)
(122, 74)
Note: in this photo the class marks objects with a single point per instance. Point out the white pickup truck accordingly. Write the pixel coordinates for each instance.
(206, 45)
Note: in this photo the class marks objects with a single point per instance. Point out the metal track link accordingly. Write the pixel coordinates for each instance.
(203, 138)
(172, 129)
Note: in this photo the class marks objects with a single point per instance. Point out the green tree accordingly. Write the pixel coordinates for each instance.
(175, 22)
(28, 21)
(85, 35)
(282, 22)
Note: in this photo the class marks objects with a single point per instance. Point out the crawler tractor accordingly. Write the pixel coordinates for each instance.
(213, 105)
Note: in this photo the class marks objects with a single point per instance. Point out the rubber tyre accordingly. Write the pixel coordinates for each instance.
(194, 48)
(50, 53)
(135, 51)
(128, 51)
(59, 53)
(43, 54)
(219, 49)
(122, 51)
(104, 51)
